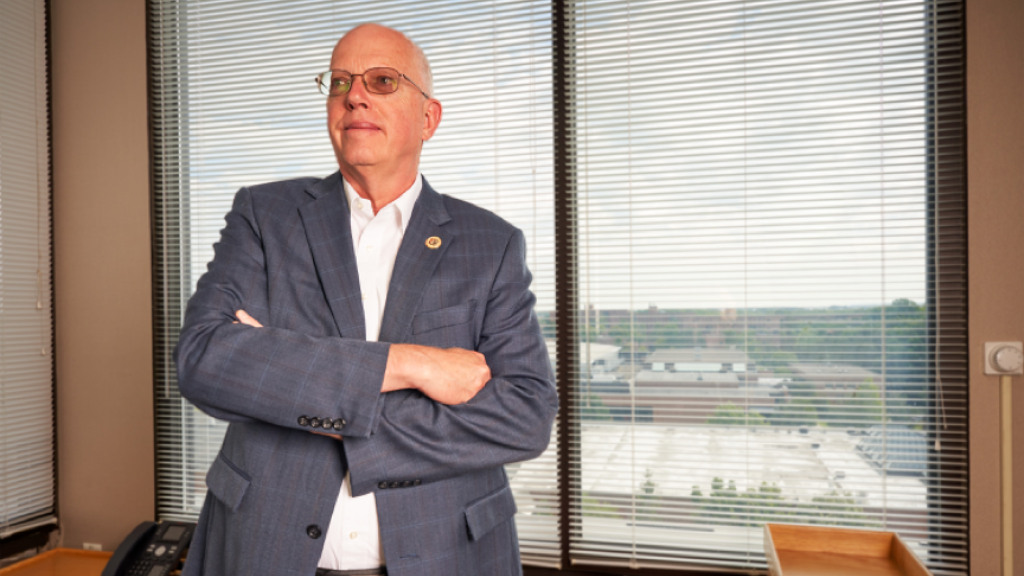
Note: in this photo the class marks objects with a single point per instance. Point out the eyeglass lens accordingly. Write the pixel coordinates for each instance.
(378, 81)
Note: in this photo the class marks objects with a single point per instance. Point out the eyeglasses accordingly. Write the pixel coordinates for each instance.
(376, 80)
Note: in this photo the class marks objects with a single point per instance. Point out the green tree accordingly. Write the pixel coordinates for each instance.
(834, 509)
(866, 403)
(800, 411)
(592, 408)
(766, 503)
(647, 502)
(730, 414)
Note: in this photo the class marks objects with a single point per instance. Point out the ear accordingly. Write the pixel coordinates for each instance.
(432, 117)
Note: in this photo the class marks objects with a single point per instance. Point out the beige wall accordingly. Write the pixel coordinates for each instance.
(102, 260)
(102, 269)
(995, 139)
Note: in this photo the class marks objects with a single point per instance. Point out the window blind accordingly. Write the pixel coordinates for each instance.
(761, 221)
(768, 203)
(26, 361)
(234, 103)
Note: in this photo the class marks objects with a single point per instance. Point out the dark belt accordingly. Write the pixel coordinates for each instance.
(382, 571)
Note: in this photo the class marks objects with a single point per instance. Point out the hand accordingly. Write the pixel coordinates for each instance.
(244, 318)
(449, 376)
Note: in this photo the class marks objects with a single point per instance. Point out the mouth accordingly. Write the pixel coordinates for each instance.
(361, 126)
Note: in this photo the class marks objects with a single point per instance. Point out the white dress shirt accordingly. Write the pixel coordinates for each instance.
(353, 538)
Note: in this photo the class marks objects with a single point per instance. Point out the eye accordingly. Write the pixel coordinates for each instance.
(340, 83)
(385, 81)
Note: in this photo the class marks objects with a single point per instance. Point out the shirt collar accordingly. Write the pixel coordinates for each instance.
(404, 203)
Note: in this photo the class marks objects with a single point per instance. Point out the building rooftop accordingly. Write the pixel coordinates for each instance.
(711, 378)
(617, 459)
(689, 355)
(833, 372)
(589, 351)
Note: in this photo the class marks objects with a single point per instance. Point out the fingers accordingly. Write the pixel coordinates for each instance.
(448, 376)
(244, 318)
(463, 374)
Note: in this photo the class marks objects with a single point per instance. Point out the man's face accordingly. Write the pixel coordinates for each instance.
(379, 130)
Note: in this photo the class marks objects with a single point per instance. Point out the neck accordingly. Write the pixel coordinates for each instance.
(379, 188)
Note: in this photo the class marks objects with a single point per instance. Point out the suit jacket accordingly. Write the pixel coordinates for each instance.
(443, 498)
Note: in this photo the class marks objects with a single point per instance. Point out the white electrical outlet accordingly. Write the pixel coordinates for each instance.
(1004, 358)
(93, 546)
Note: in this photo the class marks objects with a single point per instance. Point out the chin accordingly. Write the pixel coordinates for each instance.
(358, 160)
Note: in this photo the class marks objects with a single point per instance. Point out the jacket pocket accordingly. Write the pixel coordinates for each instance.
(227, 482)
(491, 510)
(443, 317)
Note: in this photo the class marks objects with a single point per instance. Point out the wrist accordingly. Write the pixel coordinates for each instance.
(398, 373)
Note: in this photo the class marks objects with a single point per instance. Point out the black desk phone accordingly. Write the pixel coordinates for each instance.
(151, 550)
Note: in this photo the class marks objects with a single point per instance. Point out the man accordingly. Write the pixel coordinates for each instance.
(374, 346)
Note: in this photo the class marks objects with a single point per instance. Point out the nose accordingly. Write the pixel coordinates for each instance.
(357, 95)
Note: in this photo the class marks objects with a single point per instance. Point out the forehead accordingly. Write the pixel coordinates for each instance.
(365, 48)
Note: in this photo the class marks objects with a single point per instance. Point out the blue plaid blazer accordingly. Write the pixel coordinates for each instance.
(443, 499)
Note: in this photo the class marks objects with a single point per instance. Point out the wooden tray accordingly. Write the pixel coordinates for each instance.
(820, 551)
(61, 562)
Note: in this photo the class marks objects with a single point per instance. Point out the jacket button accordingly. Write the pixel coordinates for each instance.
(406, 484)
(383, 485)
(339, 423)
(394, 485)
(416, 482)
(327, 423)
(314, 422)
(313, 531)
(303, 421)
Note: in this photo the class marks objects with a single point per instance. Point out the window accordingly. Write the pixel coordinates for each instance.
(745, 225)
(213, 137)
(27, 489)
(756, 207)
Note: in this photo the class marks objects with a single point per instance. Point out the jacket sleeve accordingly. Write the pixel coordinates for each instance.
(239, 373)
(509, 420)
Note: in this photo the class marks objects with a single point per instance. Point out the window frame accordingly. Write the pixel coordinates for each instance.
(946, 202)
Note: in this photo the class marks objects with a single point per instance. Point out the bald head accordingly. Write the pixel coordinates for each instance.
(400, 46)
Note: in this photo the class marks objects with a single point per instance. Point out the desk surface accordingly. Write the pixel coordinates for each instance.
(61, 562)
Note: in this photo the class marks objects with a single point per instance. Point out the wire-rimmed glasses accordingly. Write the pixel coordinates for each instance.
(380, 80)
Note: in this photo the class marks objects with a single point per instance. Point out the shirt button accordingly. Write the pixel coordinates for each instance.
(313, 531)
(359, 205)
(369, 247)
(364, 297)
(354, 535)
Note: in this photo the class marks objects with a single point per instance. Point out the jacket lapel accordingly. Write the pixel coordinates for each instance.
(329, 233)
(415, 264)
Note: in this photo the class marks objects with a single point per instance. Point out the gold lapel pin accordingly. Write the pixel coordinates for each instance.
(433, 242)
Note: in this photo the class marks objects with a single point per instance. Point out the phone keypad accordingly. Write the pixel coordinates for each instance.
(141, 567)
(148, 564)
